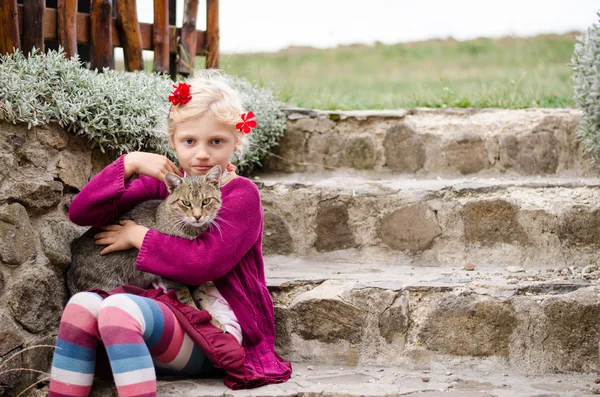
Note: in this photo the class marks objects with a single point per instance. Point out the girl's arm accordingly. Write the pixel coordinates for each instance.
(214, 252)
(109, 194)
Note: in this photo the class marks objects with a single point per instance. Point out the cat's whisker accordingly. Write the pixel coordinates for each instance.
(224, 208)
(224, 221)
(216, 225)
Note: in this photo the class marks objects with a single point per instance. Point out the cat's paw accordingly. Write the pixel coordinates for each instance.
(218, 324)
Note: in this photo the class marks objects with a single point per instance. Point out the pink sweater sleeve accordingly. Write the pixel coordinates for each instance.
(213, 253)
(108, 195)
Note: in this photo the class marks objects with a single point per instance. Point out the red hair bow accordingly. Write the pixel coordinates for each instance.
(181, 95)
(246, 125)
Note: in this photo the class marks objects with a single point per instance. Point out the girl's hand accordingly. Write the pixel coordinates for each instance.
(121, 237)
(150, 164)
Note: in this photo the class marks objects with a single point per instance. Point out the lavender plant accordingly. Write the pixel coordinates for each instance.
(586, 87)
(116, 111)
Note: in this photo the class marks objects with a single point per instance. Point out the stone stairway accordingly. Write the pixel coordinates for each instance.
(430, 253)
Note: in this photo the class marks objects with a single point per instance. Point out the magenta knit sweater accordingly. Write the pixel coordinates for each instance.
(230, 257)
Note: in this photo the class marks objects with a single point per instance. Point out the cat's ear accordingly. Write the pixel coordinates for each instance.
(172, 181)
(214, 176)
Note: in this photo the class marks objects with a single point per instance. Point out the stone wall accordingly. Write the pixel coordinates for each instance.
(43, 168)
(40, 171)
(434, 142)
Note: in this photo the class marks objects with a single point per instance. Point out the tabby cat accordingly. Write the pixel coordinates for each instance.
(190, 209)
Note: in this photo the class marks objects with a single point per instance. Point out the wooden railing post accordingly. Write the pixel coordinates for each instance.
(101, 34)
(173, 39)
(187, 47)
(212, 34)
(78, 26)
(33, 21)
(129, 29)
(67, 26)
(9, 27)
(160, 36)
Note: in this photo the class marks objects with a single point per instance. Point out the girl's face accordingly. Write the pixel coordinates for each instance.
(202, 143)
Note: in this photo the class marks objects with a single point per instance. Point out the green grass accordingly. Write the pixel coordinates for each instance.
(508, 73)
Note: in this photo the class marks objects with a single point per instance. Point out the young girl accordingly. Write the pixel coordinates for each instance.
(145, 330)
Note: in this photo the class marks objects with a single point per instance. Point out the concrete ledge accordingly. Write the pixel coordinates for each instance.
(335, 381)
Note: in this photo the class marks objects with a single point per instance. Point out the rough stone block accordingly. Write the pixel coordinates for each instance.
(327, 320)
(36, 296)
(412, 228)
(404, 149)
(289, 153)
(40, 155)
(12, 335)
(7, 163)
(56, 238)
(33, 188)
(467, 326)
(75, 167)
(493, 221)
(466, 155)
(573, 328)
(9, 377)
(52, 135)
(557, 333)
(17, 239)
(580, 226)
(530, 154)
(395, 320)
(333, 231)
(276, 236)
(358, 153)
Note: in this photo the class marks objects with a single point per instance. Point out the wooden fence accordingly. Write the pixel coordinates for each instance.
(109, 24)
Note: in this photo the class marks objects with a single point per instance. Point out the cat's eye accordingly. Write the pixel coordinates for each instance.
(186, 203)
(206, 201)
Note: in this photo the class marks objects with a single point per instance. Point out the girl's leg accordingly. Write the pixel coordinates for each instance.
(74, 359)
(136, 329)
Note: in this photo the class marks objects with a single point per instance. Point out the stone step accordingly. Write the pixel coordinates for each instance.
(493, 221)
(383, 381)
(434, 142)
(531, 322)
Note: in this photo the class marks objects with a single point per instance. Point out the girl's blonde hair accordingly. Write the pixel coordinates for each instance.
(211, 92)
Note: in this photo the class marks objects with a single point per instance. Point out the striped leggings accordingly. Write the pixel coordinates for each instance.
(139, 334)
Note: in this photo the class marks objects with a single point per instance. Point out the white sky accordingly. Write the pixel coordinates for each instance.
(269, 25)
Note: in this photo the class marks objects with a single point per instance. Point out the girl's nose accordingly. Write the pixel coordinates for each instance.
(202, 153)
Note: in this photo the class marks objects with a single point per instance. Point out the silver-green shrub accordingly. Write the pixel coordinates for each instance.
(271, 123)
(116, 111)
(586, 87)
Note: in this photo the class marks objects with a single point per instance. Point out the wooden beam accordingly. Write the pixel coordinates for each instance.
(101, 34)
(9, 27)
(187, 46)
(212, 34)
(33, 34)
(129, 30)
(160, 36)
(83, 31)
(67, 26)
(173, 49)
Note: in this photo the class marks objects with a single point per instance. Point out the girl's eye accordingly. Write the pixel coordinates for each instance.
(206, 201)
(186, 203)
(217, 141)
(188, 141)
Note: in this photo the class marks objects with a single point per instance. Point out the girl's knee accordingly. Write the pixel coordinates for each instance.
(89, 301)
(118, 310)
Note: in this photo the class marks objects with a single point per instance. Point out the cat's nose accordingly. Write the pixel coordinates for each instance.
(198, 217)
